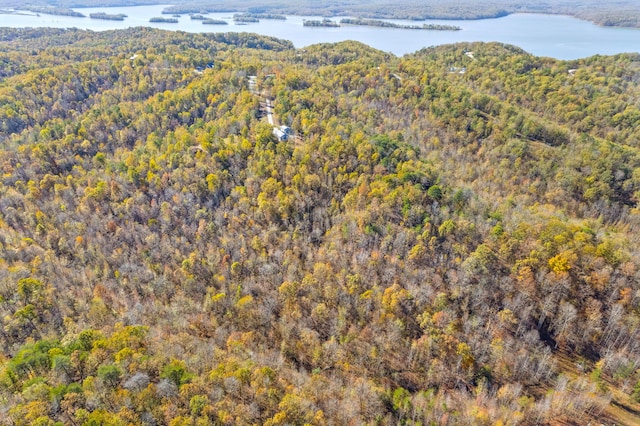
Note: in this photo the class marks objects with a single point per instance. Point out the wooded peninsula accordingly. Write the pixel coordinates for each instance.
(385, 24)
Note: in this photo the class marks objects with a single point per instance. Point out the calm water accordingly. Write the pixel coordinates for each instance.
(560, 37)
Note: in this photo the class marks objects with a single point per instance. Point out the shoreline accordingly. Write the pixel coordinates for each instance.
(597, 18)
(519, 29)
(188, 9)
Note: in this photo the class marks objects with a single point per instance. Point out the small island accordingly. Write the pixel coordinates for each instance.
(262, 16)
(385, 24)
(107, 16)
(214, 22)
(160, 20)
(198, 17)
(246, 19)
(324, 23)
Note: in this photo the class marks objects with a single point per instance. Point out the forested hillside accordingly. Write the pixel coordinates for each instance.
(450, 237)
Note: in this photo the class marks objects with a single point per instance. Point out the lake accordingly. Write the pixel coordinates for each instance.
(560, 37)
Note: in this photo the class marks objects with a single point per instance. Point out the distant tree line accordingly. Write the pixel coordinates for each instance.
(385, 24)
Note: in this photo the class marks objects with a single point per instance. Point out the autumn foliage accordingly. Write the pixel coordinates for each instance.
(430, 247)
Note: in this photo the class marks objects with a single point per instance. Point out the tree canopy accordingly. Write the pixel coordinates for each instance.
(444, 238)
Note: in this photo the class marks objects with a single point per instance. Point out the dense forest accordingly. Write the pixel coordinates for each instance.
(621, 13)
(449, 237)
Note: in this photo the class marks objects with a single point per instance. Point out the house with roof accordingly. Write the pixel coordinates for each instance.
(280, 134)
